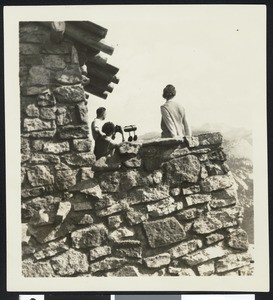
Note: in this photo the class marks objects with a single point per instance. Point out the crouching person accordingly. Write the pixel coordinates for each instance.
(104, 145)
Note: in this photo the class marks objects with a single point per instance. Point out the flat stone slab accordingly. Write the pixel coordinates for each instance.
(233, 261)
(157, 261)
(108, 263)
(70, 262)
(217, 182)
(164, 232)
(91, 236)
(203, 255)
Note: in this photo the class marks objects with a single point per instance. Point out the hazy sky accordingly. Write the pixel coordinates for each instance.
(213, 55)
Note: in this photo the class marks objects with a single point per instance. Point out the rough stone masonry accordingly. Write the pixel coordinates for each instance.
(166, 207)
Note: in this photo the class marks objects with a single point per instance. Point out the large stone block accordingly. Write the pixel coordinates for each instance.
(63, 116)
(130, 149)
(29, 49)
(188, 214)
(136, 216)
(229, 216)
(37, 125)
(107, 164)
(38, 75)
(191, 190)
(164, 232)
(91, 236)
(210, 139)
(40, 134)
(148, 194)
(238, 239)
(109, 181)
(56, 148)
(51, 249)
(121, 233)
(157, 261)
(126, 271)
(214, 238)
(54, 62)
(33, 90)
(81, 202)
(108, 263)
(183, 169)
(129, 179)
(181, 271)
(48, 113)
(32, 111)
(217, 182)
(164, 207)
(37, 269)
(115, 221)
(185, 248)
(46, 99)
(69, 75)
(131, 251)
(73, 132)
(79, 159)
(197, 199)
(224, 197)
(69, 94)
(232, 261)
(70, 262)
(39, 176)
(133, 162)
(34, 192)
(89, 187)
(82, 145)
(37, 158)
(205, 225)
(99, 252)
(206, 269)
(203, 255)
(56, 48)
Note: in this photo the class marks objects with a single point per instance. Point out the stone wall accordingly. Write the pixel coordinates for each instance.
(164, 208)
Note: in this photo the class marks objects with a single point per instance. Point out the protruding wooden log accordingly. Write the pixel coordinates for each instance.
(102, 74)
(95, 29)
(108, 88)
(100, 57)
(102, 66)
(84, 37)
(97, 92)
(81, 36)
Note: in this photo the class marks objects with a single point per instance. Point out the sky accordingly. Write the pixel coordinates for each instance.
(213, 55)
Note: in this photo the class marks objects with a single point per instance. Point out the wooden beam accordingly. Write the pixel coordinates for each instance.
(107, 88)
(93, 28)
(82, 36)
(96, 92)
(97, 57)
(102, 66)
(102, 74)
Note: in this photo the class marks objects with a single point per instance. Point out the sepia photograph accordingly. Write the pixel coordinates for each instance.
(138, 147)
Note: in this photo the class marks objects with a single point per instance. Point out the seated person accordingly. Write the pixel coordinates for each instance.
(104, 145)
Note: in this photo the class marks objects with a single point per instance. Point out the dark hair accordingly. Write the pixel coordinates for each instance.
(108, 128)
(169, 92)
(100, 111)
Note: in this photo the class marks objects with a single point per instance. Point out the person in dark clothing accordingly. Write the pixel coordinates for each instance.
(104, 145)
